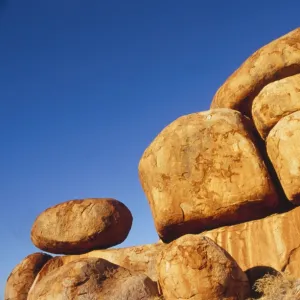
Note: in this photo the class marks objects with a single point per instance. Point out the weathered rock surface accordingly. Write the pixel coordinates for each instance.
(274, 61)
(269, 243)
(198, 174)
(140, 259)
(92, 278)
(23, 275)
(79, 226)
(194, 267)
(283, 147)
(275, 101)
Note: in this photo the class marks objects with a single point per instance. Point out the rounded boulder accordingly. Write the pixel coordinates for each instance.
(198, 174)
(194, 267)
(79, 226)
(92, 278)
(23, 275)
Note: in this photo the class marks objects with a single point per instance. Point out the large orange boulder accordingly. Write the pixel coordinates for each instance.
(274, 61)
(79, 226)
(92, 278)
(23, 275)
(194, 267)
(275, 101)
(198, 174)
(269, 244)
(283, 148)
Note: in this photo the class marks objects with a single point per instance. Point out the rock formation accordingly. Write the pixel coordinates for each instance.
(275, 101)
(269, 243)
(92, 278)
(79, 226)
(194, 267)
(283, 148)
(217, 183)
(274, 61)
(138, 259)
(198, 174)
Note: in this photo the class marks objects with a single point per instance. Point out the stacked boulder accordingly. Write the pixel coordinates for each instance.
(78, 228)
(222, 186)
(267, 88)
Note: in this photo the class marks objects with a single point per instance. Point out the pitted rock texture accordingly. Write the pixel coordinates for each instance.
(23, 275)
(275, 101)
(198, 174)
(269, 243)
(79, 226)
(140, 259)
(283, 147)
(274, 61)
(194, 267)
(91, 279)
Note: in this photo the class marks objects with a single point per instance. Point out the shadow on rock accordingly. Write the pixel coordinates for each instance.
(256, 273)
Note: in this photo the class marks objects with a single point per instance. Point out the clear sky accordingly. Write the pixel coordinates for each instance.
(86, 86)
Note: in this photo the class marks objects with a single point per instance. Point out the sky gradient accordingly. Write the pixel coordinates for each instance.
(87, 85)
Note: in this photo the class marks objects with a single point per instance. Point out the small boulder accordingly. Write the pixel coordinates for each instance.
(197, 174)
(79, 226)
(283, 148)
(194, 267)
(275, 101)
(92, 278)
(23, 275)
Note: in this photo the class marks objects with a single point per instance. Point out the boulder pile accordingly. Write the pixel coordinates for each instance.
(223, 187)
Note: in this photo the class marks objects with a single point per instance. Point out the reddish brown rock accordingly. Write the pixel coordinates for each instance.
(23, 276)
(198, 174)
(79, 226)
(274, 61)
(92, 278)
(272, 243)
(140, 259)
(283, 148)
(194, 267)
(275, 101)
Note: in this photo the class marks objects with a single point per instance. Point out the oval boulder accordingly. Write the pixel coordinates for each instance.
(79, 226)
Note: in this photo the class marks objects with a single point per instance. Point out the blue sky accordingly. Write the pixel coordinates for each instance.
(87, 85)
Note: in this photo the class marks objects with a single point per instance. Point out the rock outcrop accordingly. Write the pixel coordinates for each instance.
(283, 146)
(272, 243)
(194, 267)
(140, 259)
(274, 61)
(92, 278)
(198, 174)
(23, 275)
(204, 171)
(79, 226)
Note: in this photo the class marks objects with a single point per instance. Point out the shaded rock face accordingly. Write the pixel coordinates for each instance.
(79, 226)
(91, 279)
(140, 259)
(269, 243)
(194, 267)
(23, 275)
(283, 146)
(275, 101)
(274, 61)
(198, 174)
